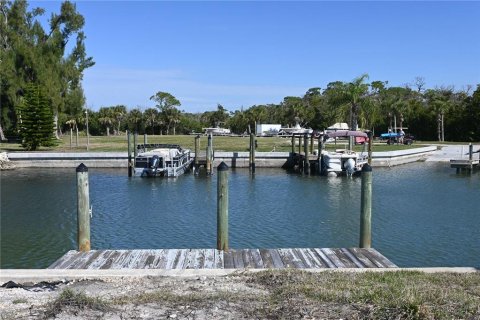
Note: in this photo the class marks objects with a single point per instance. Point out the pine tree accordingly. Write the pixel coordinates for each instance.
(36, 120)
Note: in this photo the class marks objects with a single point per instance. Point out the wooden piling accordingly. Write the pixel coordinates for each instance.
(252, 153)
(130, 167)
(370, 143)
(209, 154)
(222, 207)
(83, 209)
(366, 208)
(299, 143)
(293, 143)
(311, 143)
(144, 142)
(197, 153)
(135, 150)
(470, 151)
(306, 161)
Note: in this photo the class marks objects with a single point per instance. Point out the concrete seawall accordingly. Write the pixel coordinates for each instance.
(232, 159)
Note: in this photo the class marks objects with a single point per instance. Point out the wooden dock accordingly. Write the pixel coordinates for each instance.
(464, 164)
(302, 258)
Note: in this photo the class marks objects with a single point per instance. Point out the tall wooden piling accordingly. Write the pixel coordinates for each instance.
(306, 160)
(311, 143)
(145, 142)
(209, 155)
(370, 143)
(320, 156)
(470, 151)
(135, 150)
(252, 153)
(83, 209)
(130, 167)
(222, 207)
(366, 208)
(299, 143)
(197, 153)
(293, 143)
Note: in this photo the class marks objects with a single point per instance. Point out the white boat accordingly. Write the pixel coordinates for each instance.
(217, 131)
(340, 161)
(297, 129)
(164, 160)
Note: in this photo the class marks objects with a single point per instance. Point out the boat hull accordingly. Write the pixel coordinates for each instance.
(342, 163)
(169, 161)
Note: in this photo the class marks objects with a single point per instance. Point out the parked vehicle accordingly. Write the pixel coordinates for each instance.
(396, 138)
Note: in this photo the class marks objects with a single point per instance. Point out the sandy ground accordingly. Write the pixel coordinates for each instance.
(196, 297)
(35, 302)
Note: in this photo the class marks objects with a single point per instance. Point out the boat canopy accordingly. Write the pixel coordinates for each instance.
(347, 133)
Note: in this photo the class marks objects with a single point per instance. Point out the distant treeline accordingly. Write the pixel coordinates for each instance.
(32, 57)
(432, 114)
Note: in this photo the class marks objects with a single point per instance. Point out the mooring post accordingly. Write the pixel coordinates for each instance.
(311, 143)
(299, 144)
(320, 156)
(252, 152)
(293, 143)
(135, 150)
(470, 151)
(145, 142)
(197, 152)
(135, 145)
(306, 163)
(222, 207)
(250, 147)
(370, 142)
(83, 209)
(130, 169)
(209, 155)
(366, 208)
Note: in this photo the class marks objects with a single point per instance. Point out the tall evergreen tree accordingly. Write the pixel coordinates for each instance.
(34, 53)
(36, 119)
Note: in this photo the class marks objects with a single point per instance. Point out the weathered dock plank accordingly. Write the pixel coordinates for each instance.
(302, 258)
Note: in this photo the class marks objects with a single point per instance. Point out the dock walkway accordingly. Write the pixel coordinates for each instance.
(302, 258)
(464, 164)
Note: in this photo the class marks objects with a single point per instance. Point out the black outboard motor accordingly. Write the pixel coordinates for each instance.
(154, 162)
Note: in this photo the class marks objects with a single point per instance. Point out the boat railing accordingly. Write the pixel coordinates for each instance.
(144, 147)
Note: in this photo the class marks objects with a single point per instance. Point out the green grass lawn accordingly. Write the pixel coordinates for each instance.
(119, 144)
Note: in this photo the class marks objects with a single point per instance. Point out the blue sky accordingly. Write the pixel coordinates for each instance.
(245, 53)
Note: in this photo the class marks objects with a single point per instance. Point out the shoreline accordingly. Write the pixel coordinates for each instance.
(242, 294)
(232, 159)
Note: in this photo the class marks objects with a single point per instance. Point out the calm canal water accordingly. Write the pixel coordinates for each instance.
(424, 214)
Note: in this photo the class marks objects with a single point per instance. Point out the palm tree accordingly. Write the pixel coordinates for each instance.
(353, 93)
(72, 123)
(151, 118)
(106, 118)
(440, 100)
(135, 117)
(119, 113)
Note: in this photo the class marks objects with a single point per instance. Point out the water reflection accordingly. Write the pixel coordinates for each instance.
(423, 214)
